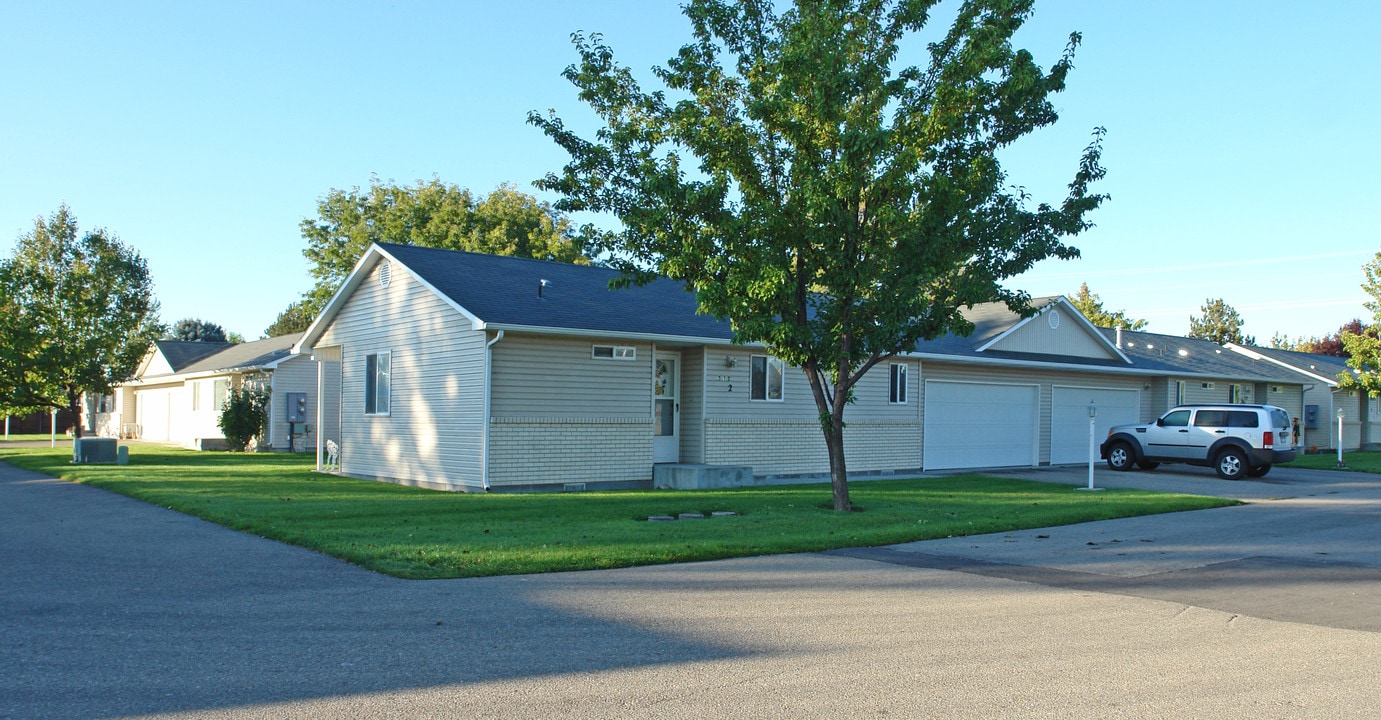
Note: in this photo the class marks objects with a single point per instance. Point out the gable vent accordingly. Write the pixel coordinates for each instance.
(385, 273)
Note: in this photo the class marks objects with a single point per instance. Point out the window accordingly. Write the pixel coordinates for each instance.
(105, 404)
(377, 384)
(1235, 393)
(766, 380)
(614, 352)
(196, 396)
(898, 377)
(1209, 386)
(1179, 392)
(1179, 418)
(218, 390)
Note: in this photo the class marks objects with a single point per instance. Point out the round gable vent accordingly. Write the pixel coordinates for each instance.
(385, 273)
(1053, 317)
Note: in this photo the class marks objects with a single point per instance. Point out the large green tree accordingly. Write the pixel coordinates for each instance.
(79, 315)
(833, 207)
(1220, 323)
(197, 330)
(1362, 343)
(1092, 308)
(429, 214)
(294, 319)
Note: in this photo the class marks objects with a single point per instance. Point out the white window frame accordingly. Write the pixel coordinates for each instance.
(768, 362)
(897, 383)
(1179, 392)
(613, 352)
(196, 396)
(1235, 394)
(375, 380)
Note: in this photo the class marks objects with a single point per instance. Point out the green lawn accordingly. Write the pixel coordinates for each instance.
(16, 437)
(1361, 461)
(412, 533)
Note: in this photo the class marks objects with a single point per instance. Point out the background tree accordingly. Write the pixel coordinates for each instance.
(1281, 341)
(196, 330)
(1363, 345)
(1092, 308)
(1219, 323)
(430, 214)
(79, 315)
(234, 337)
(832, 207)
(294, 319)
(1333, 344)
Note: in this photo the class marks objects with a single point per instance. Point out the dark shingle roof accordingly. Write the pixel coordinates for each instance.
(182, 353)
(247, 355)
(503, 291)
(1328, 366)
(1174, 355)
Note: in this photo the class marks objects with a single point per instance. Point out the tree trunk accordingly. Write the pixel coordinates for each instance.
(839, 476)
(73, 400)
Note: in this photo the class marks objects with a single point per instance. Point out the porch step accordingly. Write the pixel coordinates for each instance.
(686, 476)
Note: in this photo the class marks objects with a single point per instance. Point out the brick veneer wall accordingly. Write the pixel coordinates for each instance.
(790, 447)
(525, 450)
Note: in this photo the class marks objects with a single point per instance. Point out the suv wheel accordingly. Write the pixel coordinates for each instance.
(1231, 464)
(1120, 457)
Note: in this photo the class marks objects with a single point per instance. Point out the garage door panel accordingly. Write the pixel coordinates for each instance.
(979, 425)
(1069, 431)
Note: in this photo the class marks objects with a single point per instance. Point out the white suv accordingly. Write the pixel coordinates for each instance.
(1235, 440)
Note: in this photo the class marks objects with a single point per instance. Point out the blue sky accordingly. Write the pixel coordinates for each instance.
(1242, 150)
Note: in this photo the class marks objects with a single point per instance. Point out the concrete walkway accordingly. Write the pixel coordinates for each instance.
(113, 608)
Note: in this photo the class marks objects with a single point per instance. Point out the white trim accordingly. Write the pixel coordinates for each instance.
(488, 400)
(905, 383)
(766, 373)
(614, 334)
(1330, 381)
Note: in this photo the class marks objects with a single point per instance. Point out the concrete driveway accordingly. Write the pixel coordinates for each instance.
(112, 608)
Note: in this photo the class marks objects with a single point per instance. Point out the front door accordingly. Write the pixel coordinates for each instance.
(666, 408)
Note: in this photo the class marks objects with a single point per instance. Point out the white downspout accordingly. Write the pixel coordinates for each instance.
(488, 385)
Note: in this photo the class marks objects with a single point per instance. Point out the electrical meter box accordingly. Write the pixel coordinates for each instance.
(297, 407)
(1311, 417)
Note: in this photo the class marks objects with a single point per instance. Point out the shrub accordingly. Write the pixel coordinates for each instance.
(244, 416)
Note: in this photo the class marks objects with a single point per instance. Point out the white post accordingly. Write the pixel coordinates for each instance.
(1340, 438)
(7, 427)
(53, 427)
(1092, 448)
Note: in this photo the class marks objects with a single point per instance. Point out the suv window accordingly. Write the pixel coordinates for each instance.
(1179, 418)
(1279, 418)
(1210, 418)
(1243, 419)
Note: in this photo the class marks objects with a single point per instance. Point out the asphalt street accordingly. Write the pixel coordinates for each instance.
(113, 608)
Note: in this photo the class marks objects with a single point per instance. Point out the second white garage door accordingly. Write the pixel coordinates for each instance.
(1069, 419)
(979, 425)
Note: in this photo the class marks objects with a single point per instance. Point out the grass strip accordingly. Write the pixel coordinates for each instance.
(413, 533)
(1361, 461)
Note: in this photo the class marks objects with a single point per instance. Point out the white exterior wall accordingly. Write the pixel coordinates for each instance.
(1069, 337)
(433, 435)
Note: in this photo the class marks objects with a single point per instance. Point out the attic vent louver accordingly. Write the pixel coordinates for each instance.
(385, 273)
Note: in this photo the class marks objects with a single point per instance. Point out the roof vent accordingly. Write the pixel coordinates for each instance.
(385, 273)
(1119, 337)
(541, 285)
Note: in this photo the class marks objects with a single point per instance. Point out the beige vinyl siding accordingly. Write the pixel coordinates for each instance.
(1046, 379)
(1196, 394)
(1351, 403)
(1069, 339)
(727, 392)
(1288, 397)
(693, 376)
(554, 377)
(292, 376)
(433, 435)
(1322, 396)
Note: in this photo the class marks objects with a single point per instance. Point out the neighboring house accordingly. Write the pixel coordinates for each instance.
(462, 371)
(1323, 399)
(177, 393)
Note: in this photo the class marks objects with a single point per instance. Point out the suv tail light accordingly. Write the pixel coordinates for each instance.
(1267, 439)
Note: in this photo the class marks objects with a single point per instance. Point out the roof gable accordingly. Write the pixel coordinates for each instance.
(1057, 328)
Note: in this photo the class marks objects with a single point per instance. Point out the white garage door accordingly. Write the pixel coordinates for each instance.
(1069, 419)
(154, 411)
(979, 425)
